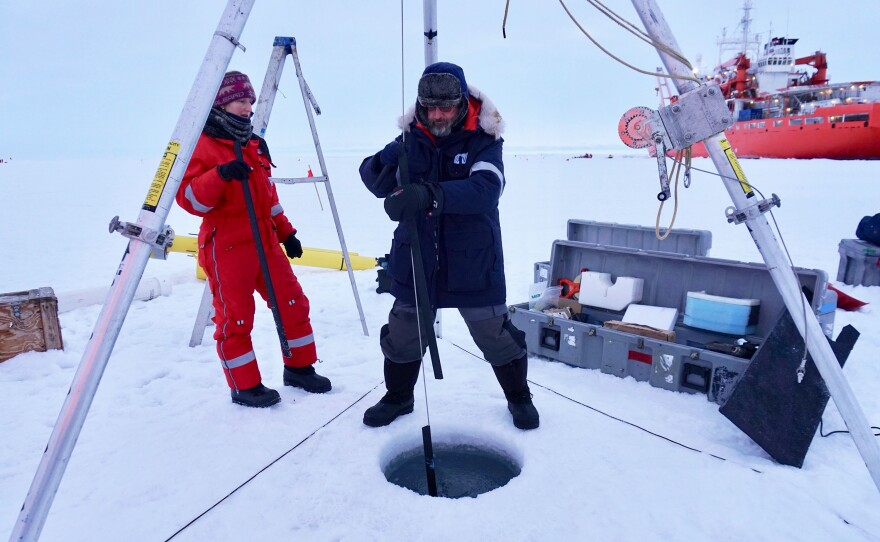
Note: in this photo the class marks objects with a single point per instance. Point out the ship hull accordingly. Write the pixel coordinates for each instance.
(797, 136)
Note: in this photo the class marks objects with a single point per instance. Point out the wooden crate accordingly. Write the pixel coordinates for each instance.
(29, 321)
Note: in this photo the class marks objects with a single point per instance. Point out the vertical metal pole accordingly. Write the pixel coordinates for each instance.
(430, 17)
(152, 217)
(783, 276)
(429, 8)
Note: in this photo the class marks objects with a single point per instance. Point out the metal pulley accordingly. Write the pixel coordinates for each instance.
(641, 127)
(635, 127)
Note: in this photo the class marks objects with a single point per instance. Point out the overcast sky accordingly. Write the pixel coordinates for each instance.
(106, 78)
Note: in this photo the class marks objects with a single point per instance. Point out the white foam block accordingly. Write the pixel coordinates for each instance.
(597, 290)
(647, 315)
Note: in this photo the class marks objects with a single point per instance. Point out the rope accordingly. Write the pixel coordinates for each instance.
(631, 28)
(676, 172)
(276, 460)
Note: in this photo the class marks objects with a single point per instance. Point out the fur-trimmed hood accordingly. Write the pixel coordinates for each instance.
(490, 119)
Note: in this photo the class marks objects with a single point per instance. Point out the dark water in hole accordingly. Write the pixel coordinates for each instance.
(461, 470)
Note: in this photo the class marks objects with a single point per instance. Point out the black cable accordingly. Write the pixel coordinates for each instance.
(828, 434)
(276, 460)
(631, 424)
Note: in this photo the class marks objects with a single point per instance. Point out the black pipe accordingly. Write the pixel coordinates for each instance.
(261, 255)
(430, 472)
(423, 302)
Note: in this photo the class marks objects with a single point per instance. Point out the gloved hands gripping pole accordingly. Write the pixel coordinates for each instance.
(423, 301)
(261, 252)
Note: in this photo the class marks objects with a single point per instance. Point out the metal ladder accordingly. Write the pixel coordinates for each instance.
(282, 47)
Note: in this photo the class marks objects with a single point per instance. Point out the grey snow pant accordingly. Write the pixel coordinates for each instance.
(490, 327)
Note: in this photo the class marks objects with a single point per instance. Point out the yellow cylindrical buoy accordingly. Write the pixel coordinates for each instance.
(312, 257)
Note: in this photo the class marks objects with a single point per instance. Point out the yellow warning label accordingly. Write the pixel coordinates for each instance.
(161, 177)
(734, 163)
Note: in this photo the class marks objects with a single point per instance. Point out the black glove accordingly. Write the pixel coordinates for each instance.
(236, 169)
(390, 155)
(292, 246)
(409, 199)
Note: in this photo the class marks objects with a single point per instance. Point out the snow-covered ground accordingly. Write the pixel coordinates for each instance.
(162, 443)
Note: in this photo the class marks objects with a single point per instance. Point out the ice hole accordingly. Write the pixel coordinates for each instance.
(463, 468)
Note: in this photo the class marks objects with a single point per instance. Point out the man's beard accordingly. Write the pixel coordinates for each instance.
(440, 130)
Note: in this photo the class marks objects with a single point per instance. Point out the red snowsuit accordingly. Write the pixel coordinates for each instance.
(228, 255)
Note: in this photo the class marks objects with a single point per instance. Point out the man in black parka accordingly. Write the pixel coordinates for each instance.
(453, 151)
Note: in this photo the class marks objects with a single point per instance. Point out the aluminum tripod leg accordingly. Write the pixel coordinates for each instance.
(152, 217)
(281, 48)
(783, 276)
(308, 99)
(202, 317)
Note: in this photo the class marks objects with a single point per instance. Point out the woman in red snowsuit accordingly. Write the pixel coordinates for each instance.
(212, 189)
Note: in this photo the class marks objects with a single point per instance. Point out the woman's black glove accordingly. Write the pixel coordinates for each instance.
(236, 169)
(292, 246)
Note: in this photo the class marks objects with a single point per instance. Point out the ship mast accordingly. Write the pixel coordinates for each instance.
(738, 44)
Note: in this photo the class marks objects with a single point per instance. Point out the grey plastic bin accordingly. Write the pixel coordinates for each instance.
(859, 263)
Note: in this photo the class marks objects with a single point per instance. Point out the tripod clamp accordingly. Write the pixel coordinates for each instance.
(660, 147)
(758, 208)
(158, 240)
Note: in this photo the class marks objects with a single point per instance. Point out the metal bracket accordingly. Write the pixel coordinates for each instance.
(695, 116)
(159, 241)
(232, 39)
(736, 216)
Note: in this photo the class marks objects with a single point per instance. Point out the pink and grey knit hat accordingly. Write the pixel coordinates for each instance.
(235, 86)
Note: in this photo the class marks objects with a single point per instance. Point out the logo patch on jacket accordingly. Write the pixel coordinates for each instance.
(460, 158)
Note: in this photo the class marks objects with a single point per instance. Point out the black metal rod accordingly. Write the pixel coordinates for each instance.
(261, 255)
(430, 471)
(423, 301)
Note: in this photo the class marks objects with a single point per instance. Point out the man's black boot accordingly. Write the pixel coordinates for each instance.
(307, 379)
(259, 396)
(400, 380)
(513, 380)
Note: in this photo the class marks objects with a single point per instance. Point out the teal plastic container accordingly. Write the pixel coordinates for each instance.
(722, 314)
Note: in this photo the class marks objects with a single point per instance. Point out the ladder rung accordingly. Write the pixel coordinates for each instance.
(296, 180)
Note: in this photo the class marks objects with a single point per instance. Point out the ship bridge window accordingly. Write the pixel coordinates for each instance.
(835, 118)
(777, 123)
(795, 122)
(762, 125)
(856, 117)
(815, 120)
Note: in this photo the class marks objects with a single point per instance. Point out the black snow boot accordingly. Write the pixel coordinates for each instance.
(400, 380)
(259, 396)
(307, 379)
(512, 378)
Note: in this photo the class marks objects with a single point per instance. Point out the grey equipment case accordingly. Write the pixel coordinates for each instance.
(682, 364)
